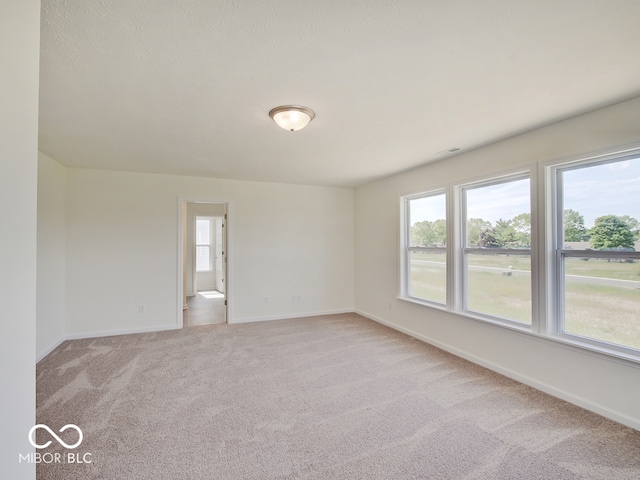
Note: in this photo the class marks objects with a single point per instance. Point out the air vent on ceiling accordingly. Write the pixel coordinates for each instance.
(449, 150)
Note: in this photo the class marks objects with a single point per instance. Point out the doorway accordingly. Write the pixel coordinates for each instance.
(203, 270)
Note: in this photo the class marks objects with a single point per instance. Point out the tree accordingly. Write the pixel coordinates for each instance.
(429, 234)
(419, 231)
(505, 234)
(611, 232)
(574, 230)
(474, 227)
(514, 233)
(634, 225)
(521, 224)
(488, 238)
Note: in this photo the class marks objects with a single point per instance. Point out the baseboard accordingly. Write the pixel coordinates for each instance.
(544, 387)
(108, 333)
(127, 331)
(49, 349)
(289, 316)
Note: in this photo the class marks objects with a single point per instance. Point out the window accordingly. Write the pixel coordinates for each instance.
(425, 247)
(203, 244)
(496, 252)
(597, 264)
(580, 284)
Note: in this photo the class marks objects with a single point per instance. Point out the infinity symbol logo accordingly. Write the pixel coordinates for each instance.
(60, 441)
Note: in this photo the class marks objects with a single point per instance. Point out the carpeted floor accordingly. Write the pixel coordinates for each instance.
(331, 397)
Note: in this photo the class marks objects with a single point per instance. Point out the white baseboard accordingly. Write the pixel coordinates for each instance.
(532, 382)
(108, 333)
(289, 316)
(111, 333)
(49, 349)
(126, 331)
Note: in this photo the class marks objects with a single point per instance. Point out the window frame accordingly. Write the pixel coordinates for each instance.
(405, 241)
(462, 250)
(557, 253)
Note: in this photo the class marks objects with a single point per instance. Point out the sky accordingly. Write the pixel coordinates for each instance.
(491, 203)
(612, 188)
(502, 201)
(428, 208)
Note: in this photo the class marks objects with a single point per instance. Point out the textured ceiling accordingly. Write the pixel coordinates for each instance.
(185, 87)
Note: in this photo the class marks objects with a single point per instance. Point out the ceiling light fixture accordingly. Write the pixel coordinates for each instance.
(292, 117)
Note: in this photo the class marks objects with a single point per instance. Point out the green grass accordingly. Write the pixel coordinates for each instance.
(429, 282)
(500, 296)
(600, 267)
(606, 313)
(593, 267)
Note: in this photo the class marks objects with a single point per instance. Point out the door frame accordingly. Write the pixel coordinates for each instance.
(181, 229)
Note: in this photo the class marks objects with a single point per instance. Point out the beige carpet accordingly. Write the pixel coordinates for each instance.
(332, 397)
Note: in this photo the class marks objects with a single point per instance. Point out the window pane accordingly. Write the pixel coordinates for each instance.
(500, 286)
(427, 221)
(602, 299)
(428, 276)
(203, 259)
(601, 206)
(499, 215)
(427, 271)
(203, 231)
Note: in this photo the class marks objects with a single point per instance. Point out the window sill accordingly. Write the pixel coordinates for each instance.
(424, 303)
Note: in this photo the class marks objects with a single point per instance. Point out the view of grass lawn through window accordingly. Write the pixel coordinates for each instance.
(602, 299)
(500, 285)
(595, 309)
(428, 278)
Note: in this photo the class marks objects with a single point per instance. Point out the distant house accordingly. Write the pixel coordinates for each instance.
(587, 246)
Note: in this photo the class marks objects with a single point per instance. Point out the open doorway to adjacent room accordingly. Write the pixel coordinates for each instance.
(204, 266)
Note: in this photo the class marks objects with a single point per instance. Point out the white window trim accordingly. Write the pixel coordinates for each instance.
(461, 249)
(544, 263)
(405, 257)
(556, 253)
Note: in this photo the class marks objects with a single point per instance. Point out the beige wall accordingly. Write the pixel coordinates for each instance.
(285, 241)
(608, 387)
(19, 60)
(50, 311)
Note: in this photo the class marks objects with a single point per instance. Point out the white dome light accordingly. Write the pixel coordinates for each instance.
(292, 117)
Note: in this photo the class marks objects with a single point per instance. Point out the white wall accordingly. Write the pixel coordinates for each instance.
(19, 60)
(285, 241)
(51, 258)
(610, 388)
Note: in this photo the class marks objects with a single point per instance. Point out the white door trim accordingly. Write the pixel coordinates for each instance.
(182, 202)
